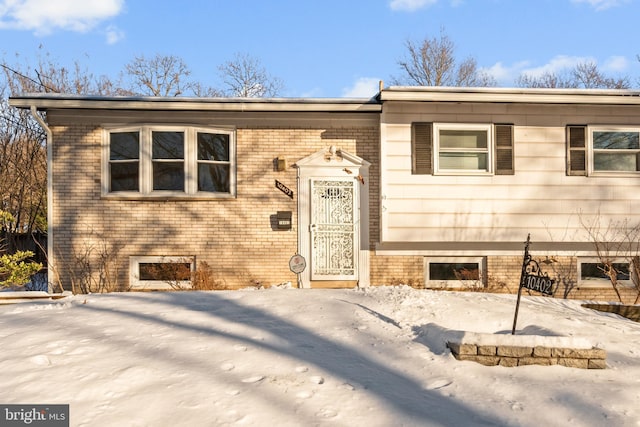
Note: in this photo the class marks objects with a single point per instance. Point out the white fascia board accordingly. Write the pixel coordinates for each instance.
(44, 102)
(511, 95)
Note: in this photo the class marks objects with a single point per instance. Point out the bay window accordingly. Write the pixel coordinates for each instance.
(169, 162)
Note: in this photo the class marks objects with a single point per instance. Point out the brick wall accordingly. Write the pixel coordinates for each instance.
(235, 237)
(397, 270)
(502, 275)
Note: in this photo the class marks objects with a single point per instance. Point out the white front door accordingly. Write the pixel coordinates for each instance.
(334, 229)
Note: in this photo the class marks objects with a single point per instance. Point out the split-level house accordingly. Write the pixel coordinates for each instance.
(431, 187)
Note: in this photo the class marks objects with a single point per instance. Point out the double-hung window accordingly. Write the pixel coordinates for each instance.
(151, 161)
(603, 150)
(124, 161)
(461, 149)
(615, 150)
(168, 160)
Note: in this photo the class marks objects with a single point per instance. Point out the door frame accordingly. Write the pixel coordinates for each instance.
(313, 228)
(332, 163)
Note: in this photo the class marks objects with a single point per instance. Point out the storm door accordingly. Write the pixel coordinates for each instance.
(333, 225)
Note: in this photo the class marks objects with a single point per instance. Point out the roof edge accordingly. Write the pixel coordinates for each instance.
(45, 101)
(510, 95)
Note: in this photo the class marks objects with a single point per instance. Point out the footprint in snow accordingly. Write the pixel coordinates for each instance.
(304, 394)
(438, 383)
(254, 379)
(326, 413)
(301, 369)
(316, 379)
(240, 347)
(227, 366)
(40, 360)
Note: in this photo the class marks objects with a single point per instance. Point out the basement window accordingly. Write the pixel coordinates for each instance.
(454, 272)
(592, 273)
(161, 272)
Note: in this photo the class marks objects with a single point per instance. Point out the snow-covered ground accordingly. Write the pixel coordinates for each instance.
(294, 357)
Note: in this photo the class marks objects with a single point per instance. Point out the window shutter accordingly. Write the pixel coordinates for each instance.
(504, 150)
(576, 150)
(421, 149)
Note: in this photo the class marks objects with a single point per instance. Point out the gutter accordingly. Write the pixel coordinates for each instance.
(511, 95)
(64, 101)
(50, 255)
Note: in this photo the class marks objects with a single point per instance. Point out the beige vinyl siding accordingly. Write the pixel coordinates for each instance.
(539, 198)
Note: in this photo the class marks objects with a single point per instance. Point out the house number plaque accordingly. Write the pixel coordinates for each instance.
(286, 190)
(531, 278)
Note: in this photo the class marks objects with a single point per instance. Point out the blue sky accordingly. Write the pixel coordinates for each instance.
(325, 48)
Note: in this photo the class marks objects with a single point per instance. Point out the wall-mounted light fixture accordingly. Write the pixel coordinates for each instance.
(281, 164)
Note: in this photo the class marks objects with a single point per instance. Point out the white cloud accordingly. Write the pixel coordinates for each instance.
(507, 74)
(410, 5)
(557, 65)
(616, 64)
(601, 4)
(114, 34)
(44, 16)
(364, 87)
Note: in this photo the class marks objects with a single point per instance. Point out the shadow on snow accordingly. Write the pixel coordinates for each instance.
(402, 393)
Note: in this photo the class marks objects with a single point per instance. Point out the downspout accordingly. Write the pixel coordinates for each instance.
(50, 255)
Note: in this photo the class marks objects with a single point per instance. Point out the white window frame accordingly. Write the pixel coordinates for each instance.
(145, 168)
(134, 272)
(436, 283)
(486, 127)
(604, 282)
(593, 151)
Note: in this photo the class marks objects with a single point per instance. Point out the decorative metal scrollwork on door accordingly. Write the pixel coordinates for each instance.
(333, 229)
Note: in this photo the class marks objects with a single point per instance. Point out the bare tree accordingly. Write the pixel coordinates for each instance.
(161, 75)
(23, 171)
(432, 62)
(545, 80)
(616, 243)
(206, 91)
(585, 75)
(246, 77)
(23, 168)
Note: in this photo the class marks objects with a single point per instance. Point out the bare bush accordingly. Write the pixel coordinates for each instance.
(615, 242)
(91, 267)
(204, 279)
